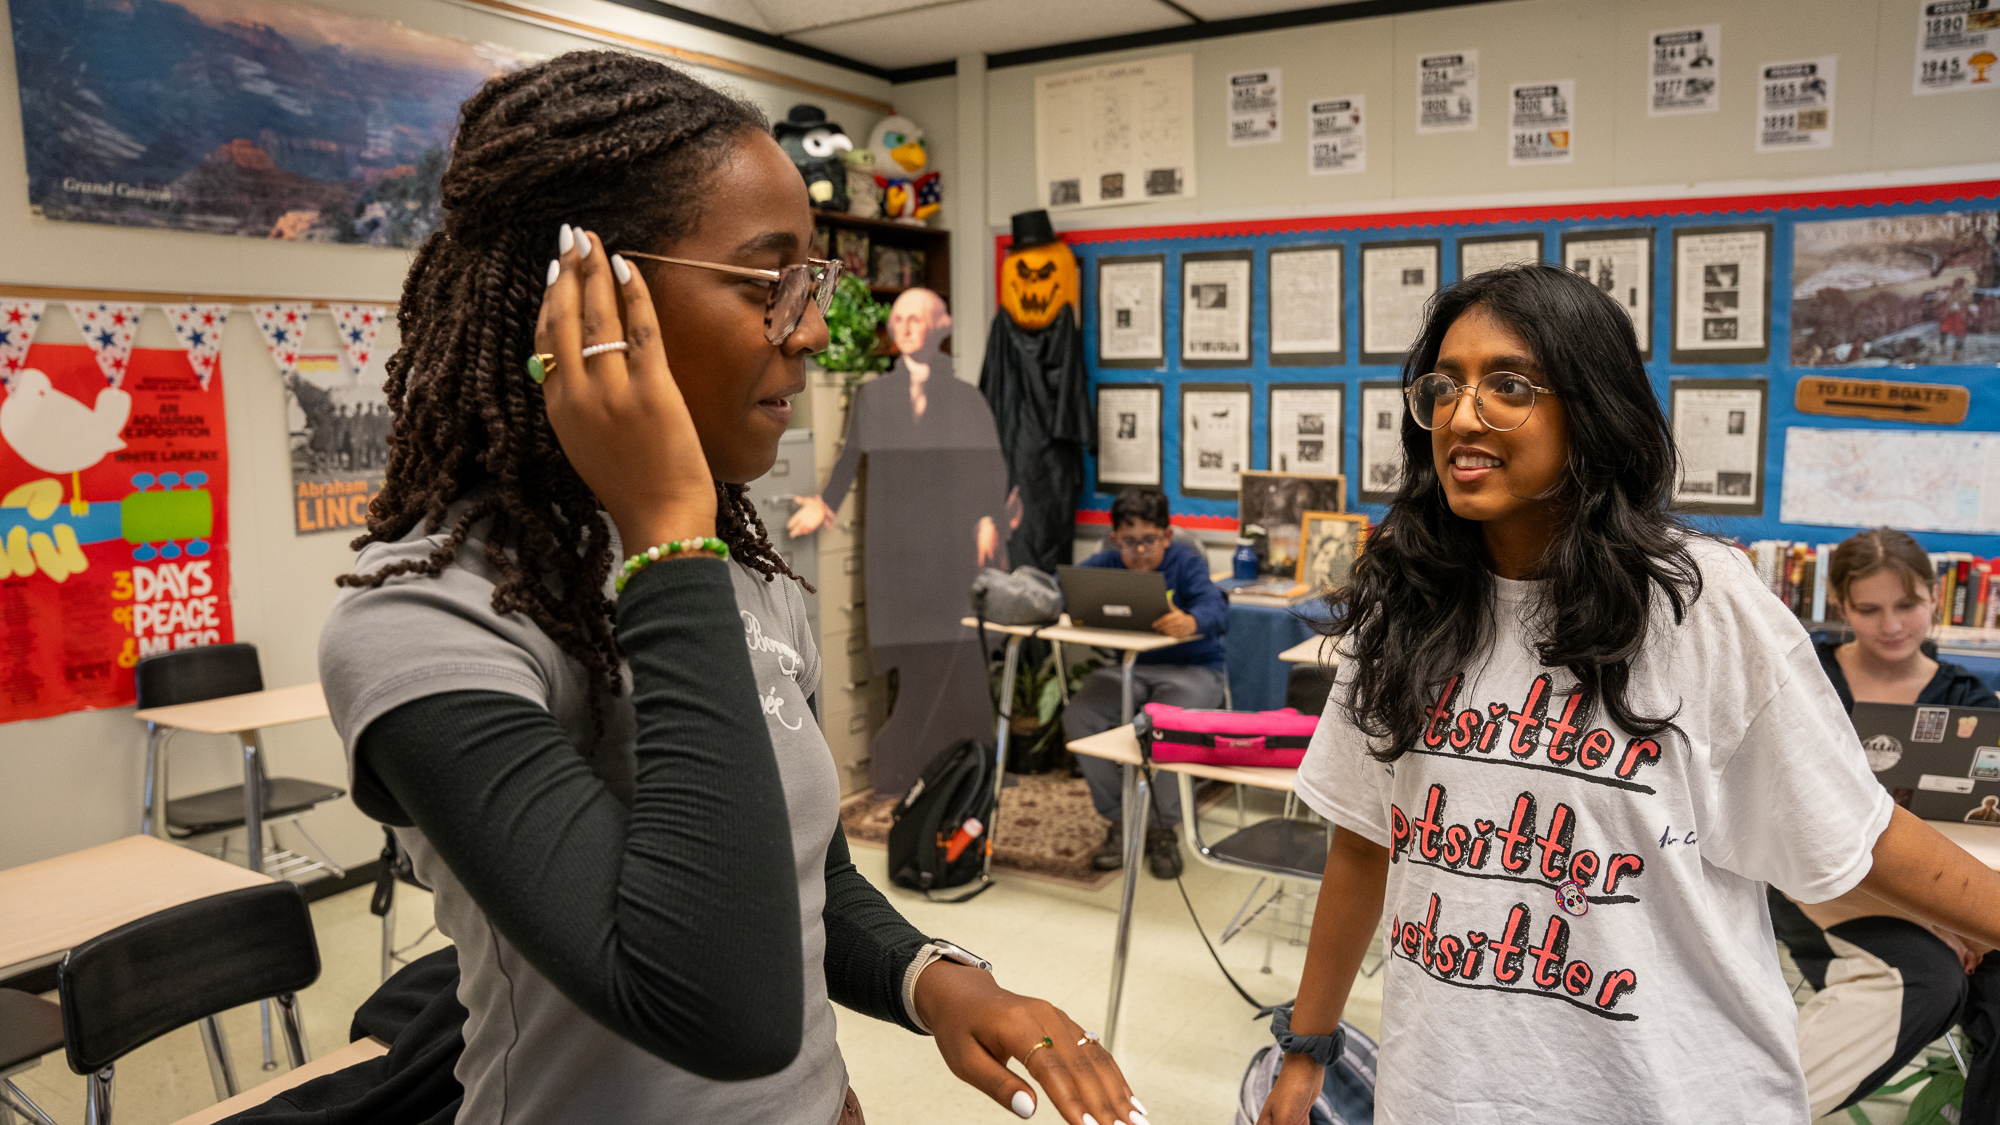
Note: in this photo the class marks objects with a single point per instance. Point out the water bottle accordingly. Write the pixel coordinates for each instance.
(1244, 561)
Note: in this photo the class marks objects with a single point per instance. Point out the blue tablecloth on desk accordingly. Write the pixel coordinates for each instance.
(1257, 634)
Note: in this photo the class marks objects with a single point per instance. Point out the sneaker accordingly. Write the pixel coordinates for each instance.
(1163, 852)
(1110, 855)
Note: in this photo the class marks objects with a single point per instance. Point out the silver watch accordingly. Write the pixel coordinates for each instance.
(931, 953)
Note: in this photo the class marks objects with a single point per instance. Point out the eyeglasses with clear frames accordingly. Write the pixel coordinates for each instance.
(1503, 400)
(790, 288)
(1137, 544)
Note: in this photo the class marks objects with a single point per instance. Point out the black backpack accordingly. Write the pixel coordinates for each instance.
(958, 784)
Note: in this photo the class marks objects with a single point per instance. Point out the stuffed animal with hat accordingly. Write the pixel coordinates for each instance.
(908, 191)
(815, 146)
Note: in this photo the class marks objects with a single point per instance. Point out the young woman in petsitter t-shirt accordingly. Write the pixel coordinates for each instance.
(1569, 742)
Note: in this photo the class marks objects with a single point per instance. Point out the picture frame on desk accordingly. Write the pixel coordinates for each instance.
(1329, 545)
(1277, 503)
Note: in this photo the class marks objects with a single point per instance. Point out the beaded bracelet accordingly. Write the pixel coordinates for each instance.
(655, 554)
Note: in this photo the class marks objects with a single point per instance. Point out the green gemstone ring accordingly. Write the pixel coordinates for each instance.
(541, 365)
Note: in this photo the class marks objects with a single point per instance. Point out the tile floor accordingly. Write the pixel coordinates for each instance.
(1185, 1041)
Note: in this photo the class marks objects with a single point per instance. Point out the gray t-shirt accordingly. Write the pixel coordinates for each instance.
(530, 1054)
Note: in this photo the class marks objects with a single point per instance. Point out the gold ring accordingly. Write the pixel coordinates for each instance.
(1046, 1042)
(541, 365)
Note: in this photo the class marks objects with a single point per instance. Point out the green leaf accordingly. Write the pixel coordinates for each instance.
(1051, 699)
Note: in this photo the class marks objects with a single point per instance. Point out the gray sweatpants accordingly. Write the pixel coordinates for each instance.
(1094, 709)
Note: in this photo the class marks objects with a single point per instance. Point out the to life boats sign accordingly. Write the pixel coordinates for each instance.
(1939, 404)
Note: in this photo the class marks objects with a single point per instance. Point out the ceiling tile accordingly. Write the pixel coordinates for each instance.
(790, 16)
(745, 12)
(1237, 9)
(941, 32)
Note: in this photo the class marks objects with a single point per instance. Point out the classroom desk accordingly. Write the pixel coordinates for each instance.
(244, 716)
(1120, 745)
(1131, 642)
(64, 901)
(1312, 650)
(360, 1051)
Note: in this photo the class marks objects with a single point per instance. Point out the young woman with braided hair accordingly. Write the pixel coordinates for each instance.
(609, 773)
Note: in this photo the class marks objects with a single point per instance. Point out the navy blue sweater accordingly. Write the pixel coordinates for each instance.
(1194, 594)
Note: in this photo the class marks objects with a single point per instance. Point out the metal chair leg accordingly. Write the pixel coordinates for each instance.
(156, 783)
(264, 1019)
(295, 1029)
(389, 935)
(15, 1100)
(325, 857)
(97, 1107)
(221, 1071)
(253, 799)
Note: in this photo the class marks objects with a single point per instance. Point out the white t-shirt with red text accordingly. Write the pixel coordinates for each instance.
(1578, 929)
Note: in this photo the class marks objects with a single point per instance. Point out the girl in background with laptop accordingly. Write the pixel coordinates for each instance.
(1569, 741)
(1886, 983)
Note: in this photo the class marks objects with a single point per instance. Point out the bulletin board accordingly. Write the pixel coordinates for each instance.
(1721, 301)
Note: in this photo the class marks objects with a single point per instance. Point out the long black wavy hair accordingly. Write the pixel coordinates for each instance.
(1420, 607)
(613, 143)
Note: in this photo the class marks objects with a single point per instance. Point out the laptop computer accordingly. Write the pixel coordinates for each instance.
(1104, 598)
(1941, 763)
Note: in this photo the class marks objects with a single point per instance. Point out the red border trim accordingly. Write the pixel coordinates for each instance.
(1102, 517)
(1966, 191)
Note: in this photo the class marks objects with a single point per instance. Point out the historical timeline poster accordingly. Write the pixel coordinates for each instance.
(1130, 330)
(1448, 92)
(114, 523)
(1306, 422)
(1719, 426)
(1256, 107)
(263, 118)
(1215, 438)
(1958, 46)
(1397, 279)
(1541, 123)
(1337, 136)
(1685, 71)
(1128, 435)
(1114, 134)
(1619, 262)
(1795, 104)
(1722, 294)
(1215, 308)
(1897, 290)
(1305, 305)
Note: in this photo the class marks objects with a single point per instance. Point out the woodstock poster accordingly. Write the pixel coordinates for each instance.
(114, 534)
(263, 118)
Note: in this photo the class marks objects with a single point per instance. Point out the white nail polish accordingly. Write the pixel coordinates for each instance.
(1023, 1104)
(1136, 1103)
(1089, 1120)
(555, 269)
(582, 245)
(621, 270)
(1139, 1118)
(565, 238)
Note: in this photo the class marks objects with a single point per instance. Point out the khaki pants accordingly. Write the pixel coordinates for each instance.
(850, 1112)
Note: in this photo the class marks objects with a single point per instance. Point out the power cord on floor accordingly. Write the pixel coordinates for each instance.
(1153, 798)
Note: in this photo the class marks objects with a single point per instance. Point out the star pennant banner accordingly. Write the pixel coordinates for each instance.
(109, 330)
(358, 325)
(284, 328)
(200, 330)
(18, 320)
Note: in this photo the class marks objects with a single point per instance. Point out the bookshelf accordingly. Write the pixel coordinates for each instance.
(934, 244)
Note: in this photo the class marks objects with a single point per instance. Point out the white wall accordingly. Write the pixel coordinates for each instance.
(74, 780)
(1880, 127)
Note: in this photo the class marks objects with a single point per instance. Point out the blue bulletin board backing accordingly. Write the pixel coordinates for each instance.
(1780, 212)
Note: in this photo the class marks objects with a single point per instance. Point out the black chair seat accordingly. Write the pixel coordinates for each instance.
(30, 1027)
(1289, 848)
(220, 810)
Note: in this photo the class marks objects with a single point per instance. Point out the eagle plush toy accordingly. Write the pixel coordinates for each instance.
(815, 145)
(908, 191)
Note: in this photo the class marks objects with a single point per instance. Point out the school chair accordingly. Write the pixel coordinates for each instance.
(1286, 848)
(191, 675)
(186, 964)
(30, 1027)
(396, 868)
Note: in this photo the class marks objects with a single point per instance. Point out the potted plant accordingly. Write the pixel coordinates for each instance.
(854, 328)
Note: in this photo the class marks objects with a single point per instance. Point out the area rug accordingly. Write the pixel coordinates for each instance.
(1047, 828)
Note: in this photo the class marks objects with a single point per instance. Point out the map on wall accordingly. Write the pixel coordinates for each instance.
(1910, 479)
(263, 118)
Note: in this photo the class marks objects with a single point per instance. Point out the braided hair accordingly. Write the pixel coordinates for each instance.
(608, 141)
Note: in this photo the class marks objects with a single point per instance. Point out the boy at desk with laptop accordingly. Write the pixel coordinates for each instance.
(1184, 675)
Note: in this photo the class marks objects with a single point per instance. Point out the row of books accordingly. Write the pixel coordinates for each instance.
(1796, 572)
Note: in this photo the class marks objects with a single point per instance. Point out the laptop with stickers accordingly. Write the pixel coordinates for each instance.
(1941, 763)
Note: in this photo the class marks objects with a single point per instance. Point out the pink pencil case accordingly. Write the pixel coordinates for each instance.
(1225, 738)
